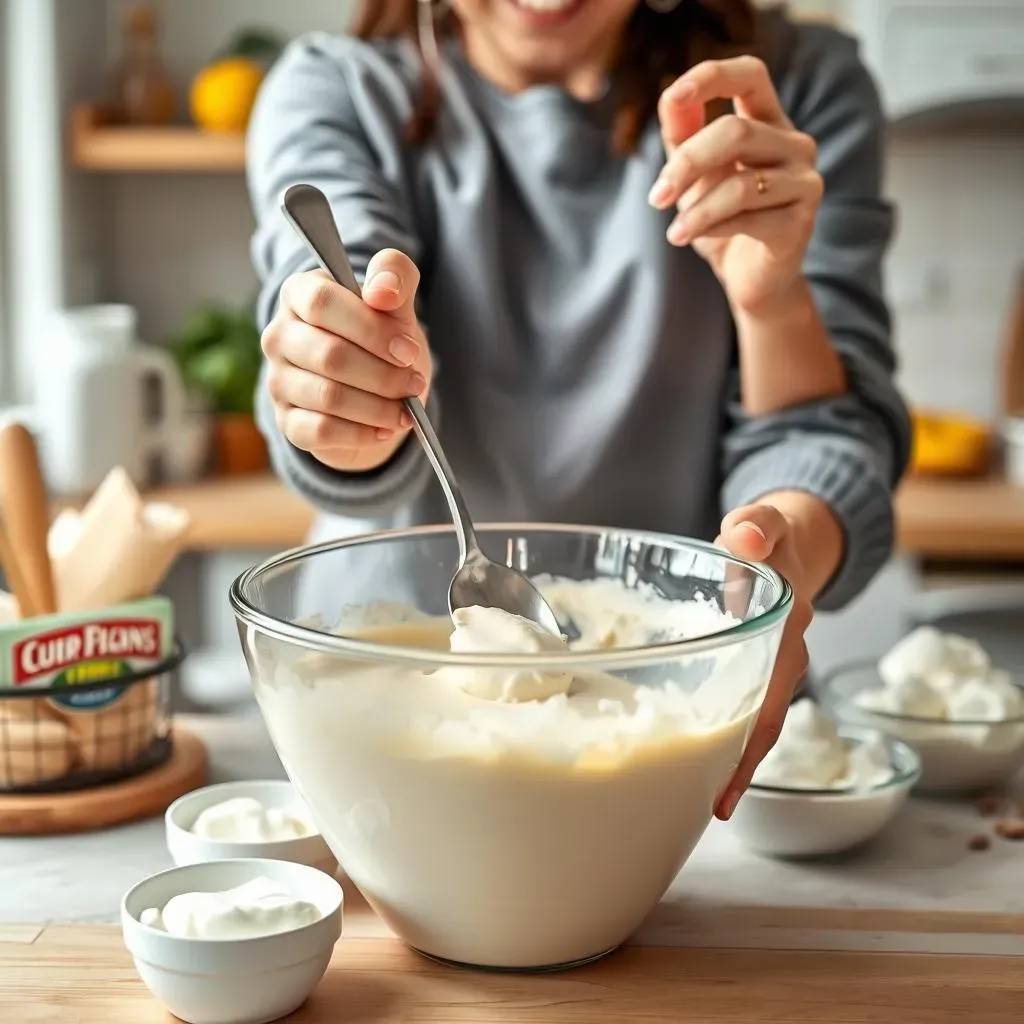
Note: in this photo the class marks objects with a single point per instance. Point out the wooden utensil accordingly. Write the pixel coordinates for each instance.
(14, 576)
(26, 512)
(1013, 355)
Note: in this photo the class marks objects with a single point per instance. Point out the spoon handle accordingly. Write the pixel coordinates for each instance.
(309, 212)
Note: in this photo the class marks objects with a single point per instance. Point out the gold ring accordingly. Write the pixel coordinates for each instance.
(762, 185)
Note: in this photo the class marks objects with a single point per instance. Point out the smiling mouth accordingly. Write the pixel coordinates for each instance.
(548, 12)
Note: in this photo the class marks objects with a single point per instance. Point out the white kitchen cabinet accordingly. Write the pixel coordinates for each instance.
(931, 54)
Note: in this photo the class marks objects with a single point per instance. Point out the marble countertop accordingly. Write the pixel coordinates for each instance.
(920, 862)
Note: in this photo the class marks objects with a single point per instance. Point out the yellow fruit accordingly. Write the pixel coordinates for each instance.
(223, 94)
(949, 445)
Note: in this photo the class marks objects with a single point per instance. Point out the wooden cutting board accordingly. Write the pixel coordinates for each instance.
(88, 810)
(84, 975)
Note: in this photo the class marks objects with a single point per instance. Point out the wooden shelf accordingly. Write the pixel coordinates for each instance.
(100, 147)
(956, 520)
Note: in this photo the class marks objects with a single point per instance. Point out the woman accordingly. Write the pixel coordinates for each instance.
(619, 308)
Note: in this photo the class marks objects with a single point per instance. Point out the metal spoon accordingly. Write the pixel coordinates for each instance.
(478, 580)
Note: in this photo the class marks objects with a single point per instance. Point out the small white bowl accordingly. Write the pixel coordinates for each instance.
(956, 757)
(816, 823)
(232, 981)
(186, 848)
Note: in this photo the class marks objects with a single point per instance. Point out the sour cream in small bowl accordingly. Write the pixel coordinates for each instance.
(939, 693)
(823, 789)
(233, 941)
(257, 819)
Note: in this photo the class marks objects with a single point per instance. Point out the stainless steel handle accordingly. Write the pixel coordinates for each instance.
(309, 212)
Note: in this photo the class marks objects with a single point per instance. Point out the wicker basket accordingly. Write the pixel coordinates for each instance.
(92, 732)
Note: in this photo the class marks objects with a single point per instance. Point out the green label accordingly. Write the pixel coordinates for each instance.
(90, 672)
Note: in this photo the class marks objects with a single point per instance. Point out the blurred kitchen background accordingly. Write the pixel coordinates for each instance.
(157, 219)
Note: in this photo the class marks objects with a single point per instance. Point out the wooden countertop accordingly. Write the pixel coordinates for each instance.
(84, 974)
(975, 520)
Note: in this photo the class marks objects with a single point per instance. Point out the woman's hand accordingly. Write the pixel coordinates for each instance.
(798, 536)
(746, 185)
(340, 367)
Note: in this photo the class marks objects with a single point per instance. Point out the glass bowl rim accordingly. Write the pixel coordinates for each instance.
(826, 686)
(899, 752)
(363, 650)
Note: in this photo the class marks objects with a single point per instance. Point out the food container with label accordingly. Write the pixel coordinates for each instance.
(84, 696)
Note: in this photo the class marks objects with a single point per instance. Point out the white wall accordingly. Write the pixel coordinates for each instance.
(959, 253)
(198, 226)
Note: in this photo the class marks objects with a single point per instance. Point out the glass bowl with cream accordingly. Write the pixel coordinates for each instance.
(941, 694)
(506, 798)
(823, 788)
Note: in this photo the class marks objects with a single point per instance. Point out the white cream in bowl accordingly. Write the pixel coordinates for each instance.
(823, 789)
(264, 819)
(232, 941)
(940, 693)
(251, 910)
(518, 819)
(810, 754)
(246, 819)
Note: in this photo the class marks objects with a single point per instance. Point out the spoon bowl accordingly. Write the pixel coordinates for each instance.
(481, 581)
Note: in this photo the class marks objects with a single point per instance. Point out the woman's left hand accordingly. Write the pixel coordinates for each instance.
(798, 536)
(746, 185)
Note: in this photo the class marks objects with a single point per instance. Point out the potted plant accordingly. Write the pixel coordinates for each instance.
(218, 351)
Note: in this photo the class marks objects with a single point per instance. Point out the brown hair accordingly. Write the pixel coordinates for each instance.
(658, 47)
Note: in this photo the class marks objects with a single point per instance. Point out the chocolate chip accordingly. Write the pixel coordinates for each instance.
(1010, 828)
(979, 842)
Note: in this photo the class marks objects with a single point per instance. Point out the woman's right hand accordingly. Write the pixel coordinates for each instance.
(339, 367)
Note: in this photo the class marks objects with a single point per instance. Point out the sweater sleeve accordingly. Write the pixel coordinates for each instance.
(849, 451)
(307, 128)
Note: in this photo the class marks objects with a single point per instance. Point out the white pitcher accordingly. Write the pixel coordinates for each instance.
(109, 401)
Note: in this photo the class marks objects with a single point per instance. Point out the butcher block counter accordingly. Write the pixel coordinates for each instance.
(915, 929)
(979, 520)
(84, 976)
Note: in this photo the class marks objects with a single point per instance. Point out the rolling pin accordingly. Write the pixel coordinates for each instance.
(26, 515)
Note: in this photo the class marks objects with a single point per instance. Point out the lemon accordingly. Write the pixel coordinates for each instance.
(948, 444)
(223, 94)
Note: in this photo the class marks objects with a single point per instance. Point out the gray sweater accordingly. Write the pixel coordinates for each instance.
(586, 370)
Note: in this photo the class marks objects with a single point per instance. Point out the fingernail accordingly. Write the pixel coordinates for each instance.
(404, 349)
(678, 233)
(729, 805)
(661, 195)
(383, 433)
(405, 420)
(754, 528)
(416, 385)
(681, 90)
(385, 281)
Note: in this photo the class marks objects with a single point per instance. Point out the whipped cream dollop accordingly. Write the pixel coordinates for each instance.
(931, 674)
(259, 907)
(810, 754)
(245, 819)
(480, 630)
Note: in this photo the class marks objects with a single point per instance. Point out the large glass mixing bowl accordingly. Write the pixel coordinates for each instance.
(515, 836)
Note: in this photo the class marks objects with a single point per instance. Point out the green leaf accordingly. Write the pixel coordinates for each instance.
(218, 351)
(259, 44)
